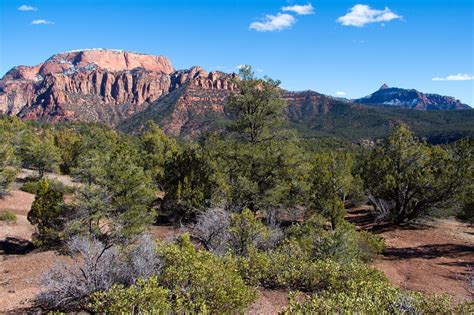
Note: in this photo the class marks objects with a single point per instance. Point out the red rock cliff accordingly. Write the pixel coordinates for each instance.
(70, 83)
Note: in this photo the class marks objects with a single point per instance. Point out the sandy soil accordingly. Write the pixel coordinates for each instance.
(18, 202)
(269, 302)
(20, 278)
(432, 256)
(65, 179)
(435, 257)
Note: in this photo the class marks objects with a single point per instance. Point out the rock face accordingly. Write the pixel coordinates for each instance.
(91, 85)
(411, 99)
(108, 86)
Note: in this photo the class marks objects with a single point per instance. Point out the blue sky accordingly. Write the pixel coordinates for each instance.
(328, 46)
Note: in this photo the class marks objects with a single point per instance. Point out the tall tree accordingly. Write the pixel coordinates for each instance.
(331, 182)
(262, 161)
(257, 109)
(131, 192)
(116, 200)
(406, 178)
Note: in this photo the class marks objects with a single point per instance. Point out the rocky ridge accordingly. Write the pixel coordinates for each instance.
(126, 89)
(411, 98)
(96, 85)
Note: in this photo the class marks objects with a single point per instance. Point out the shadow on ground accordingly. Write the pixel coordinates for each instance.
(15, 246)
(366, 219)
(429, 251)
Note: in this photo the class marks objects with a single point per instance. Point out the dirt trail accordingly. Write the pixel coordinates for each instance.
(20, 278)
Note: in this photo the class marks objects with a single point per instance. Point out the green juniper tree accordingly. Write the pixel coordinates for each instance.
(68, 142)
(46, 214)
(406, 178)
(41, 153)
(332, 180)
(116, 201)
(188, 183)
(157, 150)
(257, 109)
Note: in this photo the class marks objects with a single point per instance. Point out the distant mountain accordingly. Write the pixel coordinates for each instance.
(410, 98)
(126, 89)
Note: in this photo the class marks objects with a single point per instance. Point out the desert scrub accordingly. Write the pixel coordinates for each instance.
(144, 297)
(290, 267)
(370, 245)
(372, 297)
(342, 244)
(201, 281)
(7, 216)
(189, 281)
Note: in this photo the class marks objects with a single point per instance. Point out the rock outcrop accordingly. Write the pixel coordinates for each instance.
(103, 85)
(68, 86)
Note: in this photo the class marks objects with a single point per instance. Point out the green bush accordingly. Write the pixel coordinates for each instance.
(30, 187)
(46, 214)
(146, 296)
(290, 267)
(343, 244)
(188, 281)
(370, 245)
(373, 298)
(314, 258)
(8, 216)
(246, 231)
(199, 280)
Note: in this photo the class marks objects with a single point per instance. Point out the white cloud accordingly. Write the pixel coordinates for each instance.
(361, 14)
(274, 23)
(306, 9)
(41, 22)
(27, 8)
(341, 93)
(455, 77)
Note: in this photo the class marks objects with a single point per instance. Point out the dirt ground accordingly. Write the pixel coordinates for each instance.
(269, 302)
(432, 257)
(66, 180)
(435, 257)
